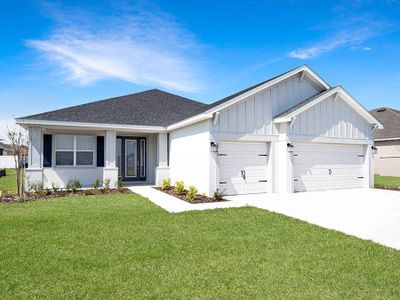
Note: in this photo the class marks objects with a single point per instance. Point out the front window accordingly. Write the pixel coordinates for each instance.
(74, 150)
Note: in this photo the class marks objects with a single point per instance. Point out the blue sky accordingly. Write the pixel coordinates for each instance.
(58, 54)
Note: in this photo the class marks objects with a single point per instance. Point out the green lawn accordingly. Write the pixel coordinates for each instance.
(387, 180)
(9, 182)
(122, 246)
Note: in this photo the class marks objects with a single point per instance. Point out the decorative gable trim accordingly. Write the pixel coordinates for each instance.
(336, 92)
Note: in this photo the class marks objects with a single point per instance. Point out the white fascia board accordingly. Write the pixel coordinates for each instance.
(359, 108)
(268, 84)
(388, 139)
(190, 121)
(209, 113)
(345, 96)
(83, 125)
(289, 117)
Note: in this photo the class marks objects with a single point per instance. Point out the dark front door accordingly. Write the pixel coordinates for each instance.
(131, 158)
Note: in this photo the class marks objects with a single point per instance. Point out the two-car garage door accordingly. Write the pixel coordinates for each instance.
(327, 166)
(243, 167)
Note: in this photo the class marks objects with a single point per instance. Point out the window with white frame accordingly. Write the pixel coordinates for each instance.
(71, 150)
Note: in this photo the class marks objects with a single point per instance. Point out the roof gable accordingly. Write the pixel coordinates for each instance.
(304, 69)
(337, 92)
(208, 111)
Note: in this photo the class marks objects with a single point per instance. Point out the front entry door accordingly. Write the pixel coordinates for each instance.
(131, 158)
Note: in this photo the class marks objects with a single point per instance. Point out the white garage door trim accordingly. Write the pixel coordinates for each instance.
(243, 167)
(319, 166)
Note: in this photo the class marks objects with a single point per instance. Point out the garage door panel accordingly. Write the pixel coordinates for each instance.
(327, 166)
(311, 172)
(243, 156)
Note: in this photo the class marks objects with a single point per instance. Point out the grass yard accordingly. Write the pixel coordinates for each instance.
(387, 180)
(123, 246)
(9, 182)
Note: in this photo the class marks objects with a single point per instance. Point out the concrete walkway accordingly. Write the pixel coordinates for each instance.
(365, 213)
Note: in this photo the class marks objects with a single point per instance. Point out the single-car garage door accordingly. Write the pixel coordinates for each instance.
(243, 167)
(327, 166)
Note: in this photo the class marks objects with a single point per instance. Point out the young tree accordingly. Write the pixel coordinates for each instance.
(18, 141)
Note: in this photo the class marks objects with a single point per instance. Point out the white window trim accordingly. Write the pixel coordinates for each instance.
(74, 165)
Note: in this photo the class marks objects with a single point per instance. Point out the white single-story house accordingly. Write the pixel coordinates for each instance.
(288, 134)
(387, 142)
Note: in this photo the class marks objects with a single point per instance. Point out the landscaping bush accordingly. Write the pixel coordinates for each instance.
(166, 184)
(96, 184)
(119, 183)
(55, 187)
(192, 192)
(38, 188)
(73, 185)
(219, 195)
(179, 187)
(106, 183)
(89, 192)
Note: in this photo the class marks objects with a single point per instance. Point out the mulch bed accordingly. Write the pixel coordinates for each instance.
(385, 187)
(8, 198)
(199, 198)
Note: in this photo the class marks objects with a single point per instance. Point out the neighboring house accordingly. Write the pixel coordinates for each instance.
(5, 149)
(290, 133)
(387, 140)
(7, 155)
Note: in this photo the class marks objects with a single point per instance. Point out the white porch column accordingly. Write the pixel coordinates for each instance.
(110, 171)
(162, 169)
(34, 172)
(283, 164)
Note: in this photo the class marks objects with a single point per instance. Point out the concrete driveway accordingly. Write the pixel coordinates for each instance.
(366, 213)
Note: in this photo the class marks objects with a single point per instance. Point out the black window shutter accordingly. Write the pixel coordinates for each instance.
(47, 141)
(100, 151)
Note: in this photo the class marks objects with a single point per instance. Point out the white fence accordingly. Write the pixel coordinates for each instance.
(7, 161)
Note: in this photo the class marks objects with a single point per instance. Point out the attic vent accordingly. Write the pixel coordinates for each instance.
(381, 109)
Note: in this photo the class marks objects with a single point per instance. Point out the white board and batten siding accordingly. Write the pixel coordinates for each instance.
(332, 119)
(243, 167)
(320, 166)
(254, 115)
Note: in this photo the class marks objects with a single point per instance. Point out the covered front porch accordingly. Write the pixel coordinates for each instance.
(58, 154)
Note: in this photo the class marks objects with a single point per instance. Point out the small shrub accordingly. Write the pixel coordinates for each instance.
(166, 184)
(119, 184)
(106, 183)
(219, 195)
(203, 194)
(89, 192)
(179, 187)
(73, 185)
(96, 184)
(38, 188)
(55, 187)
(192, 192)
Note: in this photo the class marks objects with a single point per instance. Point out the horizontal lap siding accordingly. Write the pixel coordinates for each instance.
(254, 114)
(333, 119)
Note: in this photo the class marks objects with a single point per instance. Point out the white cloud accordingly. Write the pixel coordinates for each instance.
(139, 47)
(356, 33)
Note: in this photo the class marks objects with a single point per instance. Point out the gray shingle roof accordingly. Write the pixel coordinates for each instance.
(390, 118)
(148, 108)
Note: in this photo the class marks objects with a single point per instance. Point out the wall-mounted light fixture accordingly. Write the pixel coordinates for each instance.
(214, 146)
(290, 147)
(374, 150)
